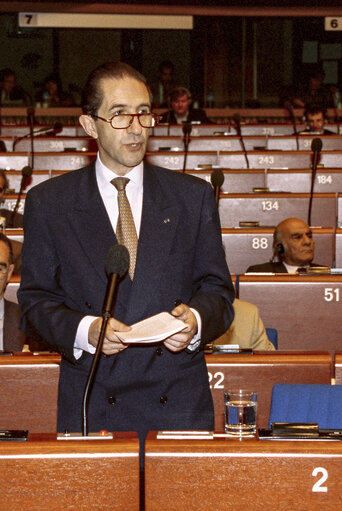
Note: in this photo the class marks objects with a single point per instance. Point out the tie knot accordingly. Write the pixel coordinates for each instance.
(120, 183)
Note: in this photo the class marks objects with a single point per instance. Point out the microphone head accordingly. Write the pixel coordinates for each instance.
(217, 178)
(27, 171)
(187, 128)
(57, 127)
(117, 260)
(316, 145)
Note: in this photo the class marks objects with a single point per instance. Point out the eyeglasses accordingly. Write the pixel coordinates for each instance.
(123, 121)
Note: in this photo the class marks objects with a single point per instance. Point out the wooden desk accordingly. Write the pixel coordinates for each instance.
(338, 249)
(12, 131)
(14, 179)
(260, 371)
(63, 161)
(261, 475)
(236, 160)
(56, 143)
(29, 397)
(338, 368)
(44, 473)
(244, 247)
(10, 200)
(271, 208)
(231, 142)
(13, 161)
(299, 180)
(227, 129)
(302, 308)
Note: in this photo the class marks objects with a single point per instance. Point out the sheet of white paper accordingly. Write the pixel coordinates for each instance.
(153, 329)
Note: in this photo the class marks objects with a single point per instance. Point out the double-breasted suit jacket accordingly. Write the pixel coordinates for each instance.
(180, 257)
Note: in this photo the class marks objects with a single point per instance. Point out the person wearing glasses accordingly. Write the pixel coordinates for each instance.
(11, 337)
(70, 224)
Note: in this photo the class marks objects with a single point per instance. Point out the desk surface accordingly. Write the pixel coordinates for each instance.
(45, 473)
(221, 474)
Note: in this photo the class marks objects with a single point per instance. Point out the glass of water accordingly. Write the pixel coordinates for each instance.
(240, 412)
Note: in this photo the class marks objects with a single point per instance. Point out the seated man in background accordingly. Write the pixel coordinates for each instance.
(247, 329)
(315, 117)
(292, 245)
(182, 111)
(11, 337)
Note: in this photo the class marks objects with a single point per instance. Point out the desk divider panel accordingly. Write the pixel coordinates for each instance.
(303, 308)
(43, 473)
(227, 474)
(260, 371)
(247, 246)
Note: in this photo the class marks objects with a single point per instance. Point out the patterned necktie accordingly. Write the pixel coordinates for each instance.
(125, 228)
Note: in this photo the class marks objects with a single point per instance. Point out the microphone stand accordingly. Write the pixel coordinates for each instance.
(26, 173)
(105, 318)
(236, 119)
(187, 128)
(30, 116)
(289, 108)
(316, 146)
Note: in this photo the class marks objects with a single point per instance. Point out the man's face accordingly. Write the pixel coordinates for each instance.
(315, 122)
(6, 268)
(181, 105)
(8, 83)
(298, 243)
(166, 75)
(120, 149)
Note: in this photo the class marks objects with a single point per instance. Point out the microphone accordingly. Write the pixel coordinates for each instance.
(335, 106)
(187, 128)
(116, 265)
(237, 122)
(289, 108)
(50, 130)
(217, 180)
(316, 147)
(26, 174)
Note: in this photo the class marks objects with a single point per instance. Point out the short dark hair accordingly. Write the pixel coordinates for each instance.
(313, 108)
(92, 94)
(178, 92)
(7, 242)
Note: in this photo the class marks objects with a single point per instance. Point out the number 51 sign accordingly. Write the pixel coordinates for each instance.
(333, 23)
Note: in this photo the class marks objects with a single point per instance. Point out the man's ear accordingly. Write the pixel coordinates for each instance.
(88, 124)
(10, 271)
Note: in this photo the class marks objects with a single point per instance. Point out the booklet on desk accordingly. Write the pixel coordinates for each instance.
(154, 329)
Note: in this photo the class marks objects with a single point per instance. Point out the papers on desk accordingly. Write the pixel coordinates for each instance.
(154, 329)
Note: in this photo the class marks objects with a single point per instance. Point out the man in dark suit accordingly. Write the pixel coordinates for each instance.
(70, 224)
(182, 110)
(11, 337)
(315, 118)
(292, 245)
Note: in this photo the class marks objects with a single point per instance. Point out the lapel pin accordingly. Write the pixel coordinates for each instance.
(167, 220)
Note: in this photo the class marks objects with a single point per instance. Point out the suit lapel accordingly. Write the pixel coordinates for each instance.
(90, 222)
(159, 221)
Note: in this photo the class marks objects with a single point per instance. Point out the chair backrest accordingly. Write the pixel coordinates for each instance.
(315, 403)
(272, 334)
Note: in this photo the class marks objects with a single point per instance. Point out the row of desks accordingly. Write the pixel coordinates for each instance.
(71, 160)
(248, 246)
(228, 142)
(30, 383)
(163, 130)
(303, 308)
(235, 180)
(263, 209)
(181, 474)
